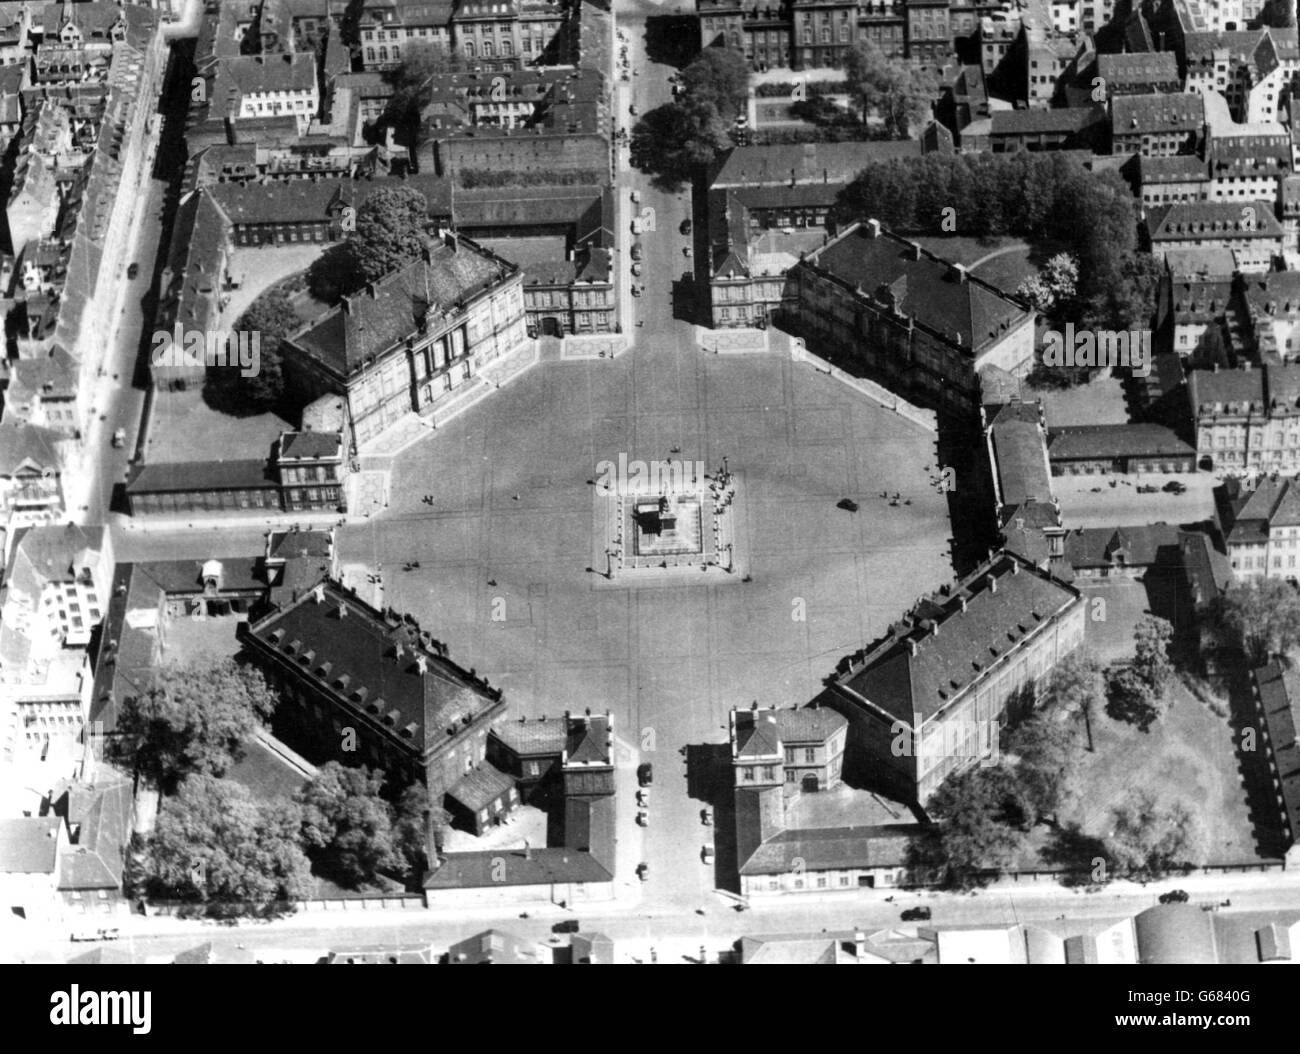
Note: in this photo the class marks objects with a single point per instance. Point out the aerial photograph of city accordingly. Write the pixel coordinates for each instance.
(650, 482)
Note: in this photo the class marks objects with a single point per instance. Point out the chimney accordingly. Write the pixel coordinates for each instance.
(343, 611)
(1015, 567)
(873, 228)
(993, 583)
(318, 594)
(911, 645)
(962, 600)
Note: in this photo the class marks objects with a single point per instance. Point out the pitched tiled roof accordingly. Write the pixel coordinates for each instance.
(939, 297)
(1278, 687)
(1113, 441)
(588, 741)
(97, 859)
(826, 848)
(1275, 502)
(377, 667)
(809, 724)
(941, 650)
(1157, 113)
(533, 736)
(1198, 220)
(391, 309)
(178, 476)
(806, 163)
(480, 786)
(1141, 68)
(1141, 546)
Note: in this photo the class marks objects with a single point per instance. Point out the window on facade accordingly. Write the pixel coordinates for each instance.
(487, 49)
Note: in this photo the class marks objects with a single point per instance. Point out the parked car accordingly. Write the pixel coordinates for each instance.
(706, 854)
(133, 272)
(643, 797)
(645, 774)
(119, 438)
(636, 197)
(847, 504)
(686, 250)
(1148, 488)
(636, 290)
(642, 871)
(1174, 896)
(1175, 487)
(685, 228)
(637, 268)
(706, 817)
(641, 819)
(916, 914)
(632, 109)
(567, 926)
(636, 250)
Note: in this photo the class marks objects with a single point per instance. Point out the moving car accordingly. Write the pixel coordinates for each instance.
(645, 774)
(1174, 896)
(916, 914)
(95, 933)
(133, 271)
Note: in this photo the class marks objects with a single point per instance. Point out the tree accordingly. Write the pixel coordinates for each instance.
(1132, 699)
(414, 816)
(1151, 659)
(893, 89)
(1076, 687)
(980, 816)
(272, 317)
(1047, 747)
(1149, 840)
(412, 81)
(214, 844)
(1262, 615)
(191, 719)
(347, 825)
(719, 77)
(393, 226)
(677, 140)
(1054, 287)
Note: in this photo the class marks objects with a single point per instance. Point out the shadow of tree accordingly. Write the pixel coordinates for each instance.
(1075, 849)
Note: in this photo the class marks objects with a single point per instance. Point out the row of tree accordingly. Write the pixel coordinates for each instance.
(675, 141)
(1047, 199)
(213, 841)
(983, 816)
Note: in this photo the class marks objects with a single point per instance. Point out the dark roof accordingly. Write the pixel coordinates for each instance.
(374, 668)
(1020, 454)
(1156, 113)
(1114, 441)
(480, 787)
(809, 724)
(311, 445)
(1073, 120)
(780, 165)
(1274, 502)
(1278, 687)
(941, 650)
(389, 310)
(1143, 546)
(589, 827)
(1140, 68)
(173, 476)
(1197, 220)
(128, 645)
(939, 297)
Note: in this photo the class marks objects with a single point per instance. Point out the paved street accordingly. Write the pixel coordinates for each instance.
(677, 934)
(510, 574)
